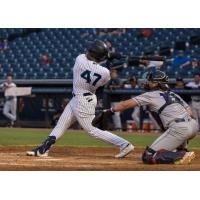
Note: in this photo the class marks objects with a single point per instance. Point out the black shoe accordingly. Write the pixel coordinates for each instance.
(43, 149)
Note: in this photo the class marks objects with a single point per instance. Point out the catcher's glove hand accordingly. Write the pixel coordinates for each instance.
(101, 114)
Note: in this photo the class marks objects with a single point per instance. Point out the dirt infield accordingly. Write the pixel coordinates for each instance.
(71, 158)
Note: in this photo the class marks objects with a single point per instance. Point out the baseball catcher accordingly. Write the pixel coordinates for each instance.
(174, 113)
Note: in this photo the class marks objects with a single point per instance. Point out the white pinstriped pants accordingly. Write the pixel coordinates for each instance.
(82, 109)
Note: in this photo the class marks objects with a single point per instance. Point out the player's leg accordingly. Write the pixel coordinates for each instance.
(108, 137)
(161, 151)
(13, 110)
(116, 119)
(84, 110)
(136, 116)
(66, 119)
(6, 110)
(175, 135)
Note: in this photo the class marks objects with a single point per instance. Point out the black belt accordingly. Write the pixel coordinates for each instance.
(84, 94)
(181, 120)
(87, 94)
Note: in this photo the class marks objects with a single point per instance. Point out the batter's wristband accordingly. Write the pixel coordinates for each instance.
(112, 110)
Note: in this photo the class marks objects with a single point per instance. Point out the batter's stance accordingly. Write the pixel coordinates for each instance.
(88, 75)
(176, 117)
(10, 106)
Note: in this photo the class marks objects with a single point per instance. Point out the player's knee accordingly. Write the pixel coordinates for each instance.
(93, 132)
(89, 129)
(190, 133)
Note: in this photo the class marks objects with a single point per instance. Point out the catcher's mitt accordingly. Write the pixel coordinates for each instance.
(100, 116)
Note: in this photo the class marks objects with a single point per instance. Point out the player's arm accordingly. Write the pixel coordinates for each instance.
(140, 100)
(124, 105)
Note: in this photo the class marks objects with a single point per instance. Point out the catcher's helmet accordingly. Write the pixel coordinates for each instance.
(157, 76)
(99, 50)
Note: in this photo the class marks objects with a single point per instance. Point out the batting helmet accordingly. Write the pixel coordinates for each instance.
(98, 50)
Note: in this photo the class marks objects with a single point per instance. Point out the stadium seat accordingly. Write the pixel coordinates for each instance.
(63, 45)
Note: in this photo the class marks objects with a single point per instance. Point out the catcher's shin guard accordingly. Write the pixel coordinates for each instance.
(161, 157)
(43, 149)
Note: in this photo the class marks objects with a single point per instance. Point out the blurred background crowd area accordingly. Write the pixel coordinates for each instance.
(50, 53)
(44, 59)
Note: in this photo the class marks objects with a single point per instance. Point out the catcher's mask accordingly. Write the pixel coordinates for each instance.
(158, 77)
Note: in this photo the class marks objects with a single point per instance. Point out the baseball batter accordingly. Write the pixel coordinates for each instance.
(88, 76)
(176, 117)
(10, 106)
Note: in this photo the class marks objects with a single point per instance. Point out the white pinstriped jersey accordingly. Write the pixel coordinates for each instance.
(88, 76)
(156, 99)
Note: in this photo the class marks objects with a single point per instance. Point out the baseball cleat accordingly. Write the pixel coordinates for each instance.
(124, 152)
(43, 149)
(35, 152)
(187, 158)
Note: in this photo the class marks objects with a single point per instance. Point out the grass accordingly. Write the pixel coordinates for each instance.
(19, 136)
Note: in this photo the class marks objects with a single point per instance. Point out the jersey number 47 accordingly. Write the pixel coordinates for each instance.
(87, 76)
